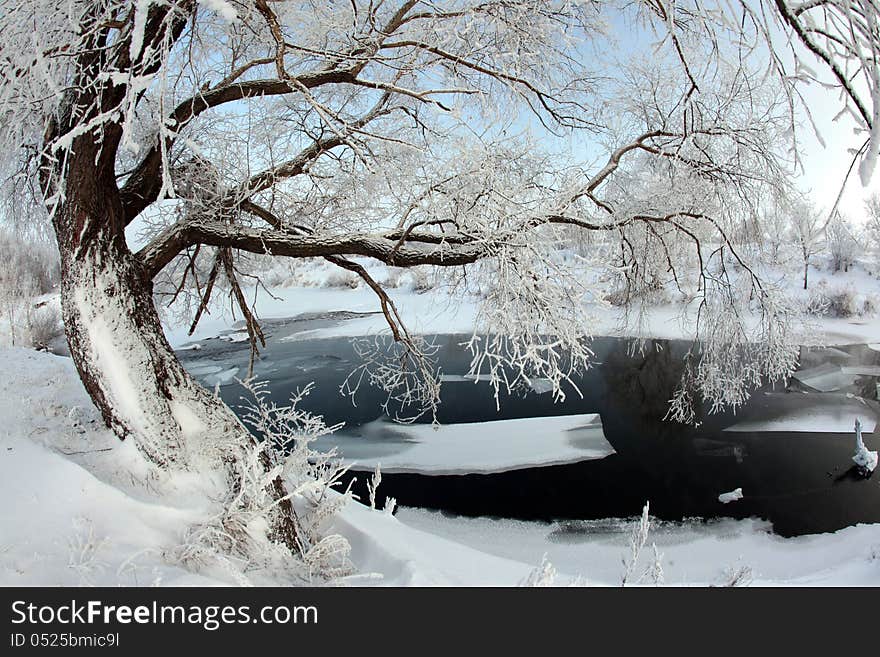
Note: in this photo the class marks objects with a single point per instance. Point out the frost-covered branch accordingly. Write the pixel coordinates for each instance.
(483, 137)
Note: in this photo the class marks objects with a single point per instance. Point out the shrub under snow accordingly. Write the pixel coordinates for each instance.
(28, 269)
(839, 301)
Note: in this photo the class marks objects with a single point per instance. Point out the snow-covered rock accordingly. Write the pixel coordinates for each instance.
(732, 496)
(863, 458)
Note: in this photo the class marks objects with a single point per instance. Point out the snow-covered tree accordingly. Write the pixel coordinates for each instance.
(774, 228)
(872, 224)
(808, 227)
(415, 133)
(842, 242)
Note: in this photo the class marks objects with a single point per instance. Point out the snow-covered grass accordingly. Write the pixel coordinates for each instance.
(79, 506)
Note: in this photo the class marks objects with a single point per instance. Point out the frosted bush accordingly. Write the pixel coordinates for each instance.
(28, 268)
(637, 541)
(278, 273)
(653, 295)
(236, 541)
(737, 577)
(83, 548)
(542, 576)
(422, 281)
(342, 279)
(392, 281)
(28, 265)
(44, 325)
(818, 303)
(838, 301)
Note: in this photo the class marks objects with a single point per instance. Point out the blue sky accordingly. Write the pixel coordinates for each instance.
(826, 166)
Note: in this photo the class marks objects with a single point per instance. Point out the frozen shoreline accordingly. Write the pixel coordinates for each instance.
(436, 312)
(72, 488)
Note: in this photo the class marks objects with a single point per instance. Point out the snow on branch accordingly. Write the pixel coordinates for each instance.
(844, 36)
(483, 137)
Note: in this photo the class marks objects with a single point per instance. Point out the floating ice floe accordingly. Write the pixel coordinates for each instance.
(482, 447)
(203, 370)
(732, 496)
(222, 378)
(541, 386)
(830, 377)
(237, 336)
(470, 378)
(538, 386)
(813, 415)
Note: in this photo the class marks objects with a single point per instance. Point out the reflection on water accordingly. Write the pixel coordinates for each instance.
(801, 481)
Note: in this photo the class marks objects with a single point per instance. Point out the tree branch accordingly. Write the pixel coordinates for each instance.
(143, 185)
(381, 247)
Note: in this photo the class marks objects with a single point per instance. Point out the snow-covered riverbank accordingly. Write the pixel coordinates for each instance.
(81, 508)
(439, 309)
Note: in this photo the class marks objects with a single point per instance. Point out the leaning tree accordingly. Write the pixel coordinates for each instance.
(472, 135)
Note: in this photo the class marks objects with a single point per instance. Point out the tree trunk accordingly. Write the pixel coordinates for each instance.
(121, 353)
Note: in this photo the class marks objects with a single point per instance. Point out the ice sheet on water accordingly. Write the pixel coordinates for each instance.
(469, 378)
(479, 447)
(542, 386)
(223, 377)
(202, 370)
(830, 377)
(815, 414)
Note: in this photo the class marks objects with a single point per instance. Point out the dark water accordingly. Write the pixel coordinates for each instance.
(801, 482)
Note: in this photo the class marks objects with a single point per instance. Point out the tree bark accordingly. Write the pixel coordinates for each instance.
(121, 353)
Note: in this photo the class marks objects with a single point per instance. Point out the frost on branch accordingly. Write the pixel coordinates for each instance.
(238, 539)
(843, 38)
(531, 324)
(637, 541)
(742, 344)
(290, 431)
(406, 371)
(222, 7)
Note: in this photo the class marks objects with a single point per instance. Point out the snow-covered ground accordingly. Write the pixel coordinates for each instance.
(82, 508)
(693, 553)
